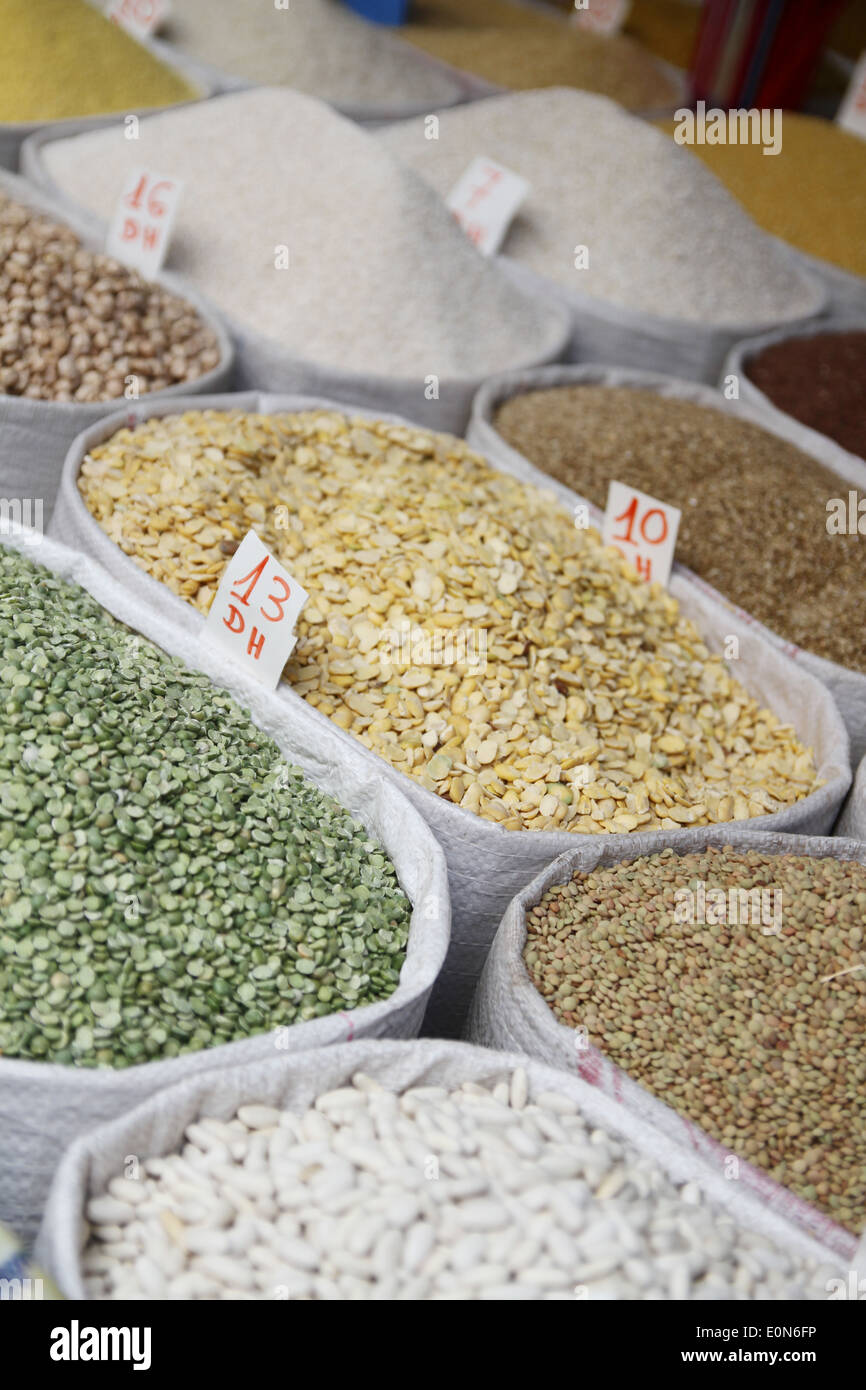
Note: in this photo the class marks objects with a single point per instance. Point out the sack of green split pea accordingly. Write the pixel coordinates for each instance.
(187, 877)
(557, 1192)
(518, 682)
(716, 991)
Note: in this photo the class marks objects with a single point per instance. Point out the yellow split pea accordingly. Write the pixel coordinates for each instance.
(459, 624)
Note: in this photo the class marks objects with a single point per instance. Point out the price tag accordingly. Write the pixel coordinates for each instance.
(642, 529)
(852, 113)
(144, 215)
(484, 199)
(602, 16)
(140, 17)
(254, 612)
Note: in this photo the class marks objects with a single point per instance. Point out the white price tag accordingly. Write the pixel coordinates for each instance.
(642, 529)
(852, 113)
(140, 229)
(254, 612)
(484, 199)
(140, 17)
(602, 16)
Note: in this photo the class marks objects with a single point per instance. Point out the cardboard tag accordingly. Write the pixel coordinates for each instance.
(602, 16)
(254, 612)
(852, 113)
(484, 199)
(140, 229)
(140, 17)
(642, 529)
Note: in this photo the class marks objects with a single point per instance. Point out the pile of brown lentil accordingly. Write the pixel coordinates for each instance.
(754, 508)
(754, 1027)
(75, 324)
(821, 381)
(597, 706)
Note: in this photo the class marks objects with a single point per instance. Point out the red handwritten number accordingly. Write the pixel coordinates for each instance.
(654, 540)
(254, 576)
(155, 207)
(134, 198)
(483, 190)
(630, 514)
(279, 603)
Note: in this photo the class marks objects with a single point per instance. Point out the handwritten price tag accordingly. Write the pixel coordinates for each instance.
(852, 112)
(602, 16)
(140, 229)
(484, 199)
(642, 529)
(254, 612)
(140, 17)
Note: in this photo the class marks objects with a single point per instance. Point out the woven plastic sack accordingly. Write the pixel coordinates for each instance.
(157, 1128)
(486, 864)
(611, 333)
(263, 364)
(852, 821)
(846, 292)
(842, 461)
(847, 687)
(508, 1012)
(466, 86)
(34, 435)
(13, 135)
(44, 1105)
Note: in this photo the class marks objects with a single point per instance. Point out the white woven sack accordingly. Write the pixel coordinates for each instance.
(821, 446)
(846, 292)
(847, 687)
(262, 364)
(157, 1127)
(488, 865)
(34, 435)
(607, 332)
(508, 1012)
(466, 87)
(852, 821)
(13, 135)
(44, 1105)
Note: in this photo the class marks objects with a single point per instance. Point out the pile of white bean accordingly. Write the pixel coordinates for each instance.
(470, 1193)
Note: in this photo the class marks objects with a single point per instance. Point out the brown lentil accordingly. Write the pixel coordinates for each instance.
(756, 1036)
(819, 166)
(598, 709)
(75, 324)
(754, 508)
(821, 381)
